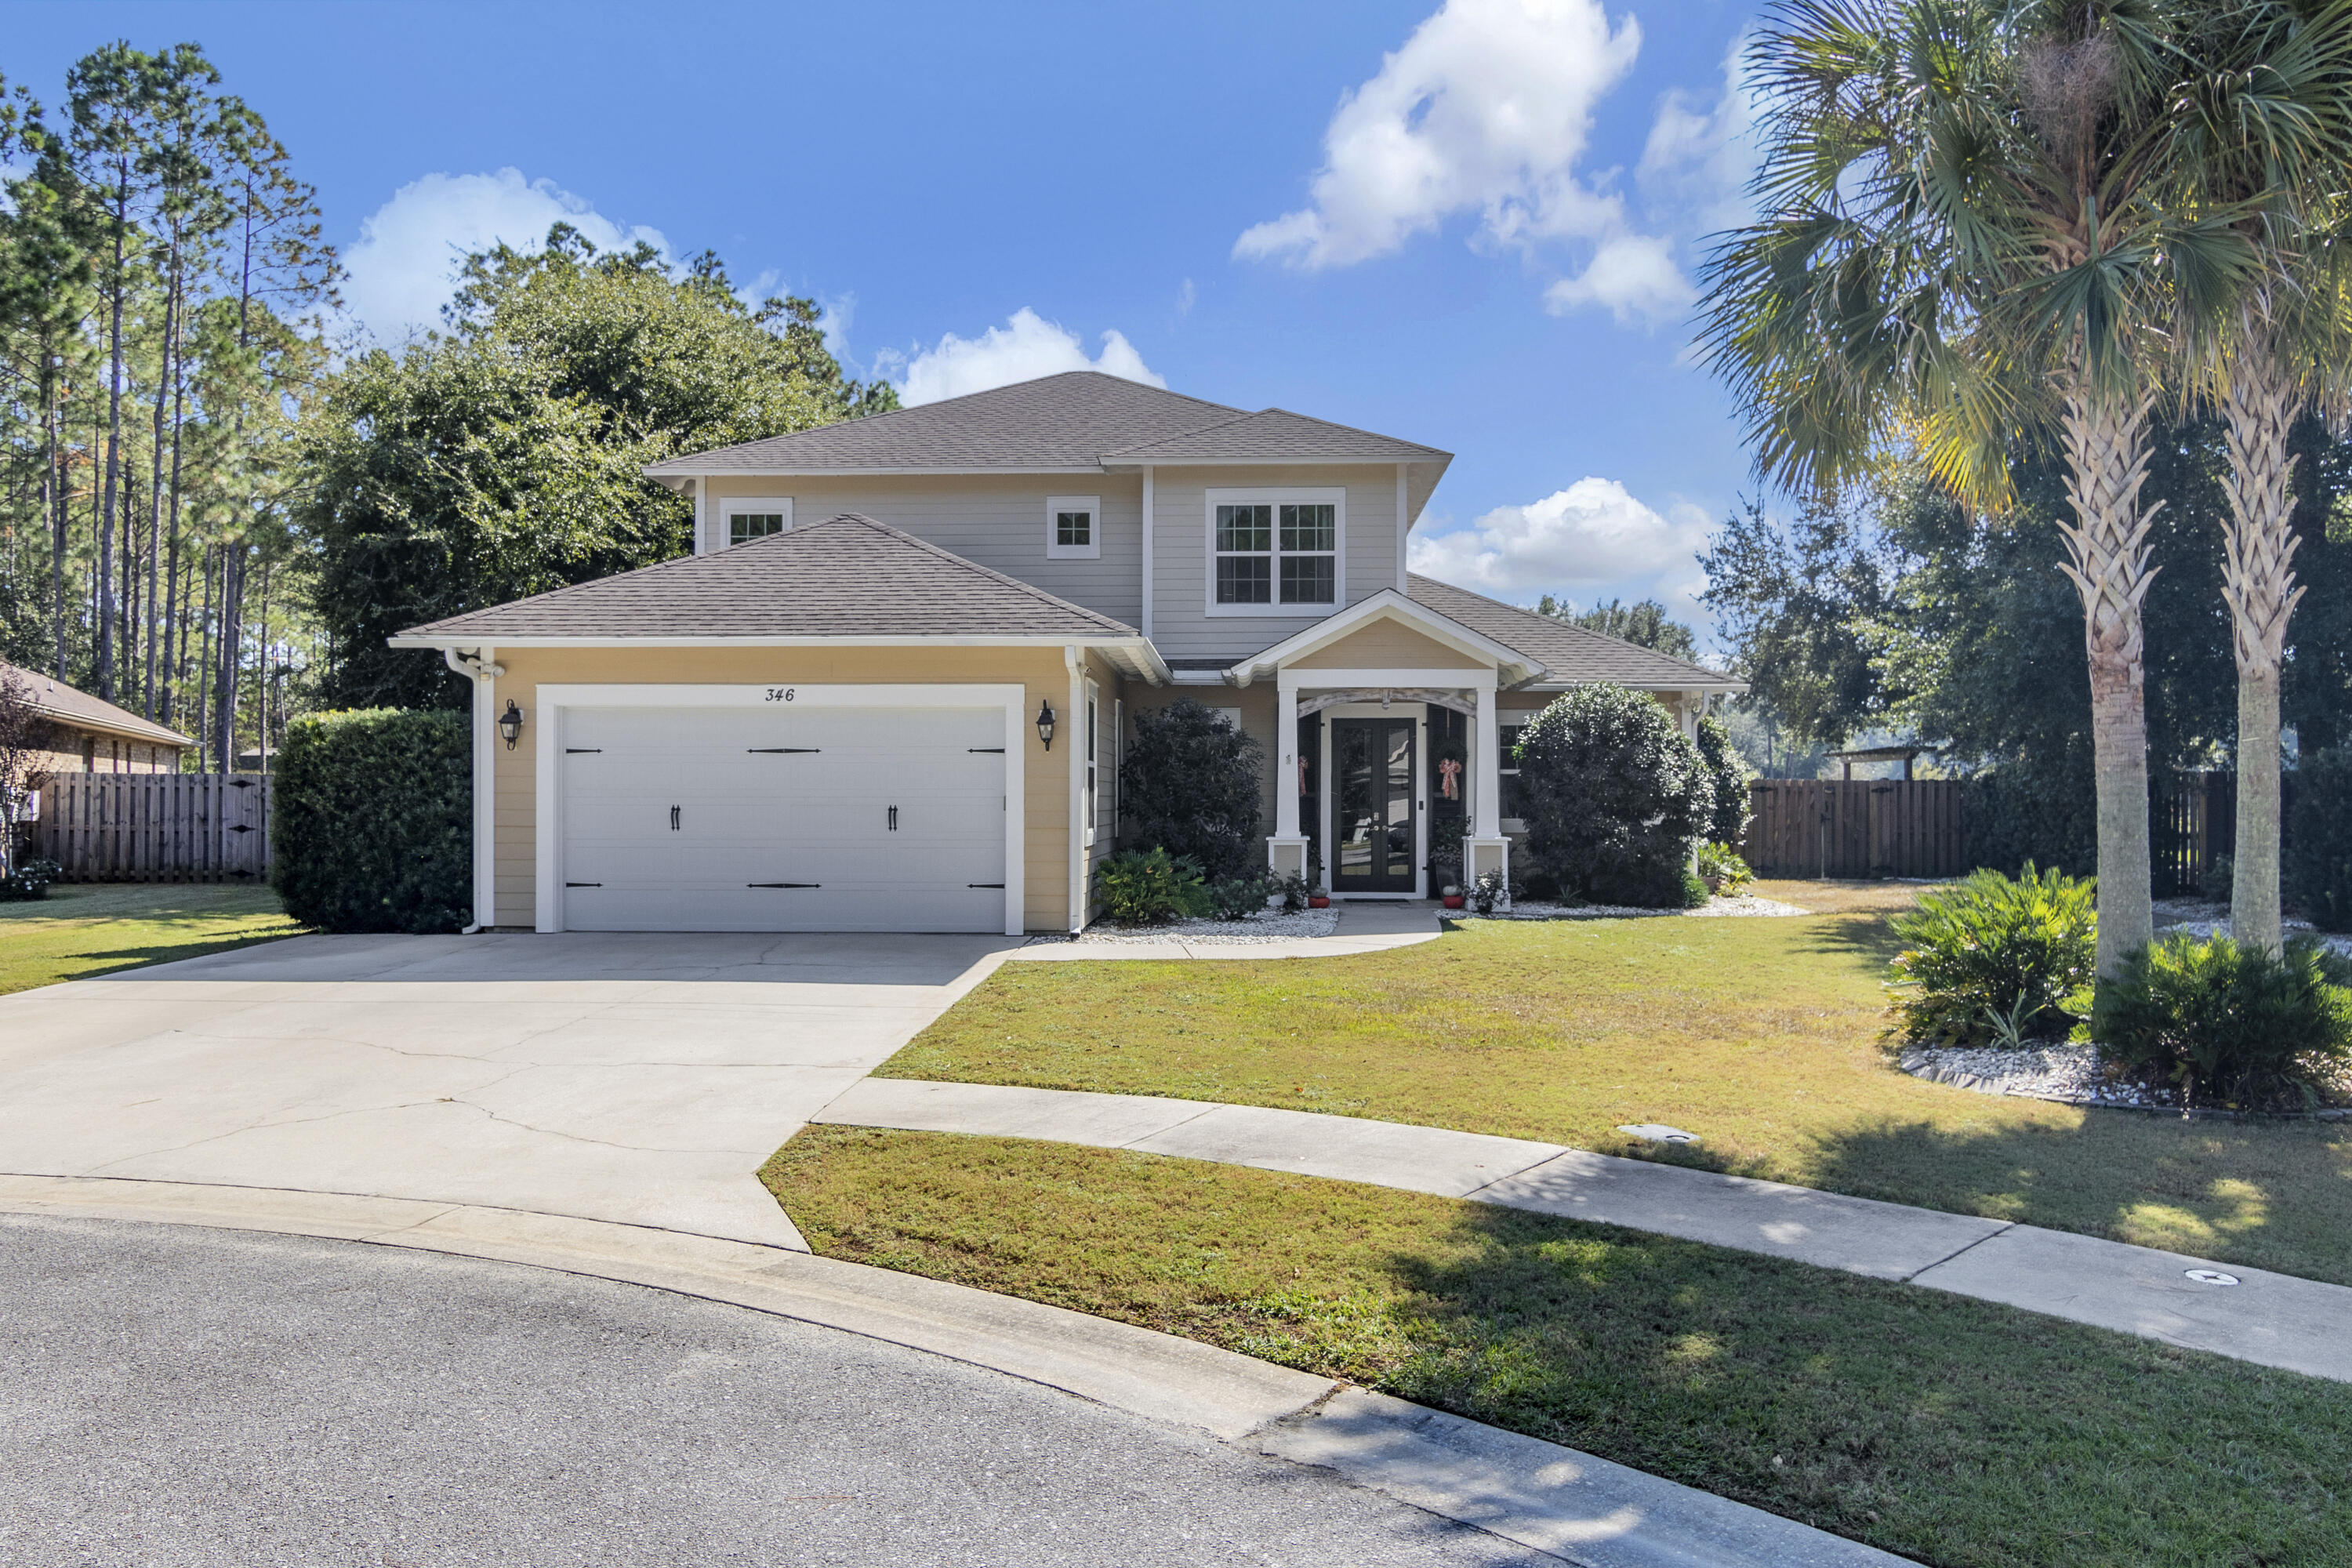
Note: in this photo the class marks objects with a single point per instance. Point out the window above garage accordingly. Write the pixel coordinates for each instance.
(743, 519)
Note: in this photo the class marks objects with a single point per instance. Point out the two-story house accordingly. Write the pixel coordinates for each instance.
(891, 689)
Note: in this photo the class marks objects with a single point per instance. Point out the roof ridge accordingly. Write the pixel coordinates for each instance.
(944, 402)
(1240, 416)
(1553, 624)
(1351, 429)
(966, 562)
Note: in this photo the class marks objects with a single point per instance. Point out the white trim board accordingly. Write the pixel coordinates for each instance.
(548, 720)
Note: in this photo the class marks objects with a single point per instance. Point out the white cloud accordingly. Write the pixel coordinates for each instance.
(1591, 541)
(1697, 162)
(401, 269)
(1634, 275)
(1024, 348)
(1486, 109)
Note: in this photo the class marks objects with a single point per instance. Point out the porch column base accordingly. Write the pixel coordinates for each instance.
(1284, 856)
(1480, 856)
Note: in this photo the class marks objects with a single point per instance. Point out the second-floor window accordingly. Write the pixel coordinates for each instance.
(1073, 528)
(1277, 550)
(744, 518)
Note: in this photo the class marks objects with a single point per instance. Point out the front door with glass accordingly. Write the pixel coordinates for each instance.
(1372, 805)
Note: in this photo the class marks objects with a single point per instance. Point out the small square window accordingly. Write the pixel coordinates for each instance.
(738, 520)
(1073, 528)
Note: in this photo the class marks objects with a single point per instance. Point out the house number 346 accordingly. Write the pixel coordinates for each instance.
(780, 694)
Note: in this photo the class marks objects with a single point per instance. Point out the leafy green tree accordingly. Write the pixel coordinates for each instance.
(504, 455)
(1643, 622)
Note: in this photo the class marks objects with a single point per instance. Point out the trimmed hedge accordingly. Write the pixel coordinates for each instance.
(1190, 786)
(1615, 798)
(373, 821)
(1727, 824)
(2317, 853)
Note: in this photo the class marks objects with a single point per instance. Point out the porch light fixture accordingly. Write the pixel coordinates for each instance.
(510, 724)
(1046, 722)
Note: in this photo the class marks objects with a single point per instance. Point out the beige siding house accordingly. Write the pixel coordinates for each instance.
(86, 734)
(891, 687)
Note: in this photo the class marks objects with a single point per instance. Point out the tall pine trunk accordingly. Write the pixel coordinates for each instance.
(2107, 456)
(155, 497)
(104, 657)
(2258, 585)
(54, 492)
(205, 658)
(177, 665)
(232, 653)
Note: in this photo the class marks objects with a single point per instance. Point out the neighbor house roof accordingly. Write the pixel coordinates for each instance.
(846, 577)
(56, 701)
(1079, 421)
(1571, 656)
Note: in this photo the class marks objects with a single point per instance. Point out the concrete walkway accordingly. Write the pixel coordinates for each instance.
(2276, 1320)
(1573, 1506)
(1369, 926)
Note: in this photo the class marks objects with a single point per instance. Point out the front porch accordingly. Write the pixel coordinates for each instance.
(1388, 750)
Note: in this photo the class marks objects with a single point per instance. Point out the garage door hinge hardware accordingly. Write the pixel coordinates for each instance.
(997, 751)
(983, 884)
(776, 751)
(784, 884)
(583, 751)
(583, 884)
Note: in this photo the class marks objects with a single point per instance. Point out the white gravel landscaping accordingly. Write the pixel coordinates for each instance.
(1531, 909)
(1271, 926)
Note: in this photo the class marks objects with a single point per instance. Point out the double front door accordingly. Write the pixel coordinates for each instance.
(1373, 806)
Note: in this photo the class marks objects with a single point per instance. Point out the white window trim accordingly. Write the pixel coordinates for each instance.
(546, 719)
(722, 506)
(1092, 549)
(1337, 499)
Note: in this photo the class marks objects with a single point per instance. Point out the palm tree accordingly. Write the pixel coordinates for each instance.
(2269, 115)
(1971, 235)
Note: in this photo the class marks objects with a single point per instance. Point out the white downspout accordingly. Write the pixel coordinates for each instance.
(1073, 729)
(484, 675)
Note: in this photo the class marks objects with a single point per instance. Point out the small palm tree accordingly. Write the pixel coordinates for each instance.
(1971, 235)
(2268, 115)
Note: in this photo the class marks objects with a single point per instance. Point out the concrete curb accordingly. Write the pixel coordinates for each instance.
(1581, 1509)
(2272, 1320)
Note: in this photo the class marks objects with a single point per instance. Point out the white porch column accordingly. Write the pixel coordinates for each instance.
(1484, 849)
(486, 790)
(1285, 852)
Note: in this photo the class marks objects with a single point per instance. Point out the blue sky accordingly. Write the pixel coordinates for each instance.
(1472, 224)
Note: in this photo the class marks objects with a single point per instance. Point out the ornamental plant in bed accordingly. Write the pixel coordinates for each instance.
(1615, 797)
(2230, 1025)
(1993, 959)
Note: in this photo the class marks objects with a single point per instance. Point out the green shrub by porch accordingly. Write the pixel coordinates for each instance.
(372, 823)
(1615, 797)
(2317, 852)
(1728, 822)
(1190, 786)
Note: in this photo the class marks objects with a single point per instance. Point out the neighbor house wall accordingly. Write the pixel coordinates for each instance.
(1041, 671)
(997, 519)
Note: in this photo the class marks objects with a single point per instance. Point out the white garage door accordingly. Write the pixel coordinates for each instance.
(783, 819)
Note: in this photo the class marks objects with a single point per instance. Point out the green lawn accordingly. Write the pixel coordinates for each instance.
(1953, 1431)
(1762, 1036)
(82, 930)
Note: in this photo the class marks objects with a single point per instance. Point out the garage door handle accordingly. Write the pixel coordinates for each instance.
(673, 819)
(784, 884)
(894, 819)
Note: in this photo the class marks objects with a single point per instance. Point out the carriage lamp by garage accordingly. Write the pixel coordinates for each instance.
(1046, 722)
(510, 724)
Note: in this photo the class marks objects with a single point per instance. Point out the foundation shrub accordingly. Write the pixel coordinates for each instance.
(1190, 786)
(373, 821)
(1729, 776)
(1151, 887)
(1994, 958)
(1614, 798)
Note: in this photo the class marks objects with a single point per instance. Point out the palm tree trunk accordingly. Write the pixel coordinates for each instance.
(2258, 585)
(2107, 454)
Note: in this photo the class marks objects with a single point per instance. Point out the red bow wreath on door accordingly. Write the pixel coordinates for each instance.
(1449, 774)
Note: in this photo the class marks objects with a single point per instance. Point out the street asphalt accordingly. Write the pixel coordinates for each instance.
(172, 1396)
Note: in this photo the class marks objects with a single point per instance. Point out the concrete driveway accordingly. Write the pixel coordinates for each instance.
(640, 1078)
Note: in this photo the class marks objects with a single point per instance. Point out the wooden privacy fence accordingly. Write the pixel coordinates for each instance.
(157, 827)
(1870, 827)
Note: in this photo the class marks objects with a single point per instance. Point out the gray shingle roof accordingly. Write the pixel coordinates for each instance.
(1277, 435)
(1570, 655)
(68, 705)
(1074, 421)
(847, 576)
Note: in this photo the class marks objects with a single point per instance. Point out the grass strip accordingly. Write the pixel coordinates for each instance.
(1765, 1037)
(1952, 1431)
(85, 930)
